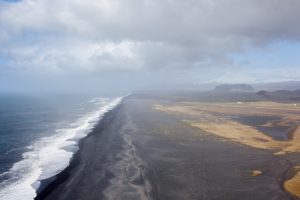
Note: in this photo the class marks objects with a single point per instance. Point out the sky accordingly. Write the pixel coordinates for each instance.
(90, 45)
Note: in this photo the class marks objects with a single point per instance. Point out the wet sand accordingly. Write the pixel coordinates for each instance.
(137, 152)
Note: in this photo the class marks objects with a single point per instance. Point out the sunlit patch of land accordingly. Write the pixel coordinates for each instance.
(240, 133)
(215, 118)
(256, 173)
(293, 185)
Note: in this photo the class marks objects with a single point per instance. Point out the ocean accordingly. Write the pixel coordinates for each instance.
(39, 135)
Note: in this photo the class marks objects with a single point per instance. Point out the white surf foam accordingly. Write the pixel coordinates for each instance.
(49, 156)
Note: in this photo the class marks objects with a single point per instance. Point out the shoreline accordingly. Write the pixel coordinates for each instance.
(50, 184)
(136, 152)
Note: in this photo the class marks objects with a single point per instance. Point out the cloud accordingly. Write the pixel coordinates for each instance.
(61, 36)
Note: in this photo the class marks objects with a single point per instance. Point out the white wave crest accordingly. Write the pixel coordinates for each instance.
(49, 156)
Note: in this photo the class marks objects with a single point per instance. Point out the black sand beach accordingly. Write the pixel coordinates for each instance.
(137, 153)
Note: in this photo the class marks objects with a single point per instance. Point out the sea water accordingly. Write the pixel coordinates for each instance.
(39, 135)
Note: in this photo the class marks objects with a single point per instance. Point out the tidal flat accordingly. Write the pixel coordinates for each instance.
(168, 148)
(270, 126)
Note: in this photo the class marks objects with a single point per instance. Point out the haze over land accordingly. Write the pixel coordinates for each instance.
(67, 46)
(149, 99)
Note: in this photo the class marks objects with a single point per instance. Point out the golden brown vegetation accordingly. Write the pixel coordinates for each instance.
(256, 173)
(213, 118)
(293, 185)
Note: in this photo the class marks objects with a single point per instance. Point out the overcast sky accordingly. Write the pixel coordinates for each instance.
(130, 44)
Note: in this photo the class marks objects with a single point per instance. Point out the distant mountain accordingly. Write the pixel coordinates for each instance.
(234, 87)
(287, 85)
(280, 95)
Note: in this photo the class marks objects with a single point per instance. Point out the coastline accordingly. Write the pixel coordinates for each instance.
(47, 186)
(138, 153)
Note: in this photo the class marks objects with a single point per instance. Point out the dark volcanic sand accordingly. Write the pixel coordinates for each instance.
(138, 153)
